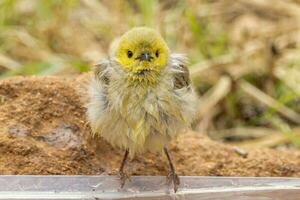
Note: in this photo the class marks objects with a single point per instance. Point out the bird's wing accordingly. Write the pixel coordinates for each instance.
(101, 71)
(180, 70)
(182, 79)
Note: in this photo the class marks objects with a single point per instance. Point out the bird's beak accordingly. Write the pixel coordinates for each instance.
(145, 56)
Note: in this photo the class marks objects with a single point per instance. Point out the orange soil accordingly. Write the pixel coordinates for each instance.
(43, 131)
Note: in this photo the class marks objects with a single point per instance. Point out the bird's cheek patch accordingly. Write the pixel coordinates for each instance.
(162, 61)
(125, 63)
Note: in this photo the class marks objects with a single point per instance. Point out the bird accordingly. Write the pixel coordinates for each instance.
(141, 97)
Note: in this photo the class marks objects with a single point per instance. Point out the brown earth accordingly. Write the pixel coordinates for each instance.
(43, 131)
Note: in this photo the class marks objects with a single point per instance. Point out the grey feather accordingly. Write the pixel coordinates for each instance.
(180, 71)
(101, 71)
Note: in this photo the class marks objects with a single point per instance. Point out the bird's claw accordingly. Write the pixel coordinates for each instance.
(123, 177)
(173, 178)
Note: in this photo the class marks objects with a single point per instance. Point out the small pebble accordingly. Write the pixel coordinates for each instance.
(240, 151)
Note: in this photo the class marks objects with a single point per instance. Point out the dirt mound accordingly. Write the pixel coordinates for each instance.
(43, 131)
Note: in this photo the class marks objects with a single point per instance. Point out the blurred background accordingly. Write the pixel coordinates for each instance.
(245, 55)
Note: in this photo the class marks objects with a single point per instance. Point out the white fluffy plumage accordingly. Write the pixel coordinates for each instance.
(140, 118)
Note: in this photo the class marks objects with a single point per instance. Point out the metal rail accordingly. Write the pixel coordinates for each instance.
(148, 187)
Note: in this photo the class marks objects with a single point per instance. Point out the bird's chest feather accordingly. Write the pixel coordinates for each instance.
(145, 108)
(138, 103)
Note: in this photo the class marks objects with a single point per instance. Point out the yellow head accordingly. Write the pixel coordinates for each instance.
(143, 54)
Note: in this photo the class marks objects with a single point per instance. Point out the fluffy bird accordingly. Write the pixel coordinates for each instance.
(141, 97)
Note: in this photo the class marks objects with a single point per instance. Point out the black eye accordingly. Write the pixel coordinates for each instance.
(129, 54)
(157, 53)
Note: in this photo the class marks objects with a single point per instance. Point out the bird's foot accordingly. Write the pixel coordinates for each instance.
(123, 177)
(173, 178)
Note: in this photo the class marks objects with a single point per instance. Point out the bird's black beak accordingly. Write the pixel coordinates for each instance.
(145, 56)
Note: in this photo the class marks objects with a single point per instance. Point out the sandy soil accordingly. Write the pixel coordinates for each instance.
(43, 131)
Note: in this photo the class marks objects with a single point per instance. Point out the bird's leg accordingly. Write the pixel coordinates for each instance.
(172, 176)
(122, 175)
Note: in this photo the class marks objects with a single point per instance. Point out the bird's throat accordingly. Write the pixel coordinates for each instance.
(143, 78)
